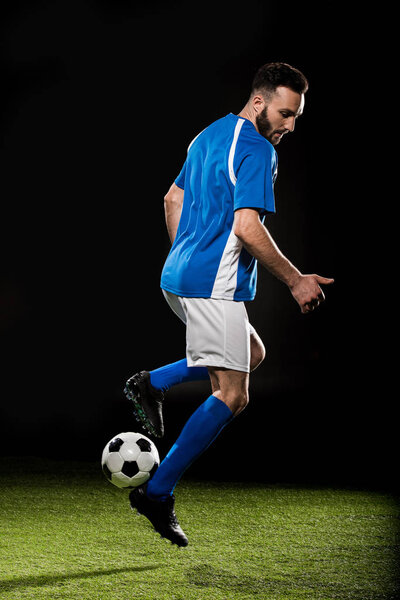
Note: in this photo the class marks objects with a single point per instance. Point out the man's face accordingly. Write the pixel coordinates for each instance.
(279, 116)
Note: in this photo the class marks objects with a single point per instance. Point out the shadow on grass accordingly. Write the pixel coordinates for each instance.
(39, 580)
(207, 576)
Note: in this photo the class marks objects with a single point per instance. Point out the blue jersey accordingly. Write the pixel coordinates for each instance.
(228, 166)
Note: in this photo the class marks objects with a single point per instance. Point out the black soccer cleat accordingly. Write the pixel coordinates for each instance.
(147, 402)
(161, 515)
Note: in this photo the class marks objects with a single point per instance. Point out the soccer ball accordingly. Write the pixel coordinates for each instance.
(129, 460)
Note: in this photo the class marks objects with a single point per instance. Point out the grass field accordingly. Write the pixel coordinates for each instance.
(68, 533)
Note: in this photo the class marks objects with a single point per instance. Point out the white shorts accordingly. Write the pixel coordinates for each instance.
(217, 331)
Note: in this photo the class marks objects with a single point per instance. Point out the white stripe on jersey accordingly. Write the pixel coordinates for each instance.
(226, 278)
(238, 127)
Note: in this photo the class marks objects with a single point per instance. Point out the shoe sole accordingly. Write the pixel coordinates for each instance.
(139, 412)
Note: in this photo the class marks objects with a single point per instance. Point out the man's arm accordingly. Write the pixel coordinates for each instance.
(258, 242)
(173, 202)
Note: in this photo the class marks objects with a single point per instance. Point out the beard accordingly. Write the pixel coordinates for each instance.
(265, 128)
(263, 124)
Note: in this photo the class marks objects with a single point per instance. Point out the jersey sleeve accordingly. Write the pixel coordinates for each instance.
(255, 180)
(180, 180)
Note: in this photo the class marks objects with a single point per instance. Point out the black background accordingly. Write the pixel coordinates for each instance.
(100, 100)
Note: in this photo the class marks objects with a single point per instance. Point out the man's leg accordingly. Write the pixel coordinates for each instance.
(146, 391)
(156, 500)
(201, 429)
(220, 330)
(175, 373)
(229, 397)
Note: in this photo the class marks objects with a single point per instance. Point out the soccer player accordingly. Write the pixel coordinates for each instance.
(215, 212)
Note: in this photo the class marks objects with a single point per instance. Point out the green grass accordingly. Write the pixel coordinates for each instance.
(68, 533)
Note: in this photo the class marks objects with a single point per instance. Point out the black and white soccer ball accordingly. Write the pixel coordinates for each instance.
(129, 459)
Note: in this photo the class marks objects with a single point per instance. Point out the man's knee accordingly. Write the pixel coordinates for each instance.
(236, 400)
(231, 387)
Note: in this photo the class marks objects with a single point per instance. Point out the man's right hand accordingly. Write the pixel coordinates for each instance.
(307, 292)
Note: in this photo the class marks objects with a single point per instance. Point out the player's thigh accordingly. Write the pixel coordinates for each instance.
(257, 349)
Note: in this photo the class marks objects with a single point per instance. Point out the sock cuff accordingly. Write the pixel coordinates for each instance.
(218, 408)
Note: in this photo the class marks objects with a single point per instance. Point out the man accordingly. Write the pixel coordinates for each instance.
(214, 215)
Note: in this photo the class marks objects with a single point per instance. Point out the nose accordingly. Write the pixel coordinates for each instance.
(289, 123)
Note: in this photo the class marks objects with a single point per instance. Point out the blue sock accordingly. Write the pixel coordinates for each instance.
(200, 430)
(177, 372)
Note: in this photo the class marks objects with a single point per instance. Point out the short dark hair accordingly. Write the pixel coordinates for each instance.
(276, 74)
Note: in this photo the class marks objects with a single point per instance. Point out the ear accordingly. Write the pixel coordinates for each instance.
(258, 103)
